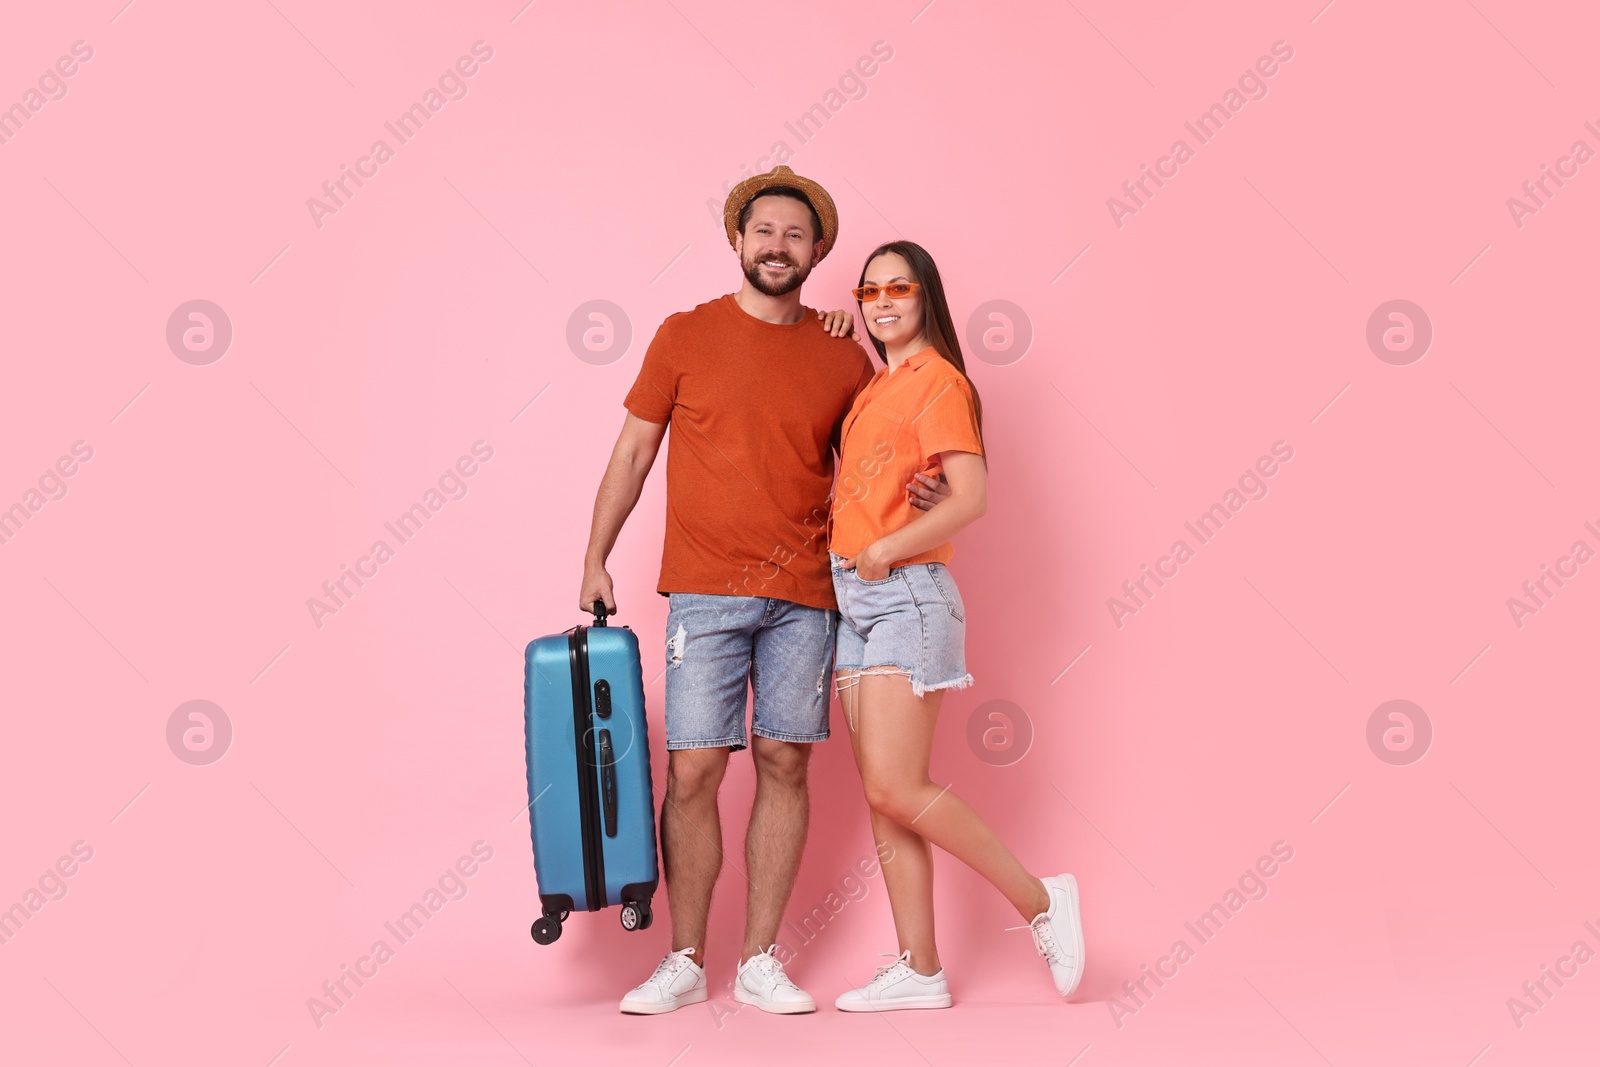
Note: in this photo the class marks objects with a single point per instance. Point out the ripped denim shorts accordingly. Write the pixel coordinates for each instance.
(720, 649)
(911, 623)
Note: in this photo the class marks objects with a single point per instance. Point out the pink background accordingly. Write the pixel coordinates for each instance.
(1229, 313)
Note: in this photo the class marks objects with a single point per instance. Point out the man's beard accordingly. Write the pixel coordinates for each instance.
(753, 271)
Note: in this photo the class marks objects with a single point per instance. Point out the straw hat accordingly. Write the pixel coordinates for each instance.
(783, 177)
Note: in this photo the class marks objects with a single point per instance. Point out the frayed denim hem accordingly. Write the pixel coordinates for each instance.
(960, 683)
(733, 743)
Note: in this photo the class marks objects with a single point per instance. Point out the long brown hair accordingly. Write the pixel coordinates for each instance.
(936, 321)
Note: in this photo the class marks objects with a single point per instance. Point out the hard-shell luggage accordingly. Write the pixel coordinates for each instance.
(590, 803)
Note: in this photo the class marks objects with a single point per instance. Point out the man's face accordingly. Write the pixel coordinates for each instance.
(777, 247)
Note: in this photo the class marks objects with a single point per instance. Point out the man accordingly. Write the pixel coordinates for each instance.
(756, 390)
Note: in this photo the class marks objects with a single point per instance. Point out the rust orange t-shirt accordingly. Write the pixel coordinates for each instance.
(756, 411)
(897, 427)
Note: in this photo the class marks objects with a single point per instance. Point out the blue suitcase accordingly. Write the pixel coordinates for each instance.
(590, 802)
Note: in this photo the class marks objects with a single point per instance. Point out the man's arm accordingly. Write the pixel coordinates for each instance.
(925, 492)
(630, 464)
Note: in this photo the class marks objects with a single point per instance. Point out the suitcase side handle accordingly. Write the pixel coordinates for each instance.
(599, 612)
(608, 782)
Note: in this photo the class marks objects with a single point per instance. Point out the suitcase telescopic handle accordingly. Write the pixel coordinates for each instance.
(599, 612)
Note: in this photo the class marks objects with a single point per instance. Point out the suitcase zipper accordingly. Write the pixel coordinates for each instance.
(594, 878)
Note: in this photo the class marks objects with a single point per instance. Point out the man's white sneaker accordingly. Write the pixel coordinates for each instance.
(678, 981)
(1058, 933)
(762, 982)
(896, 987)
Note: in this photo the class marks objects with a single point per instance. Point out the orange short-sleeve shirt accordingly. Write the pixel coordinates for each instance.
(897, 427)
(756, 410)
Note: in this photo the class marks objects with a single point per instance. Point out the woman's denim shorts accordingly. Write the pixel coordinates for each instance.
(911, 623)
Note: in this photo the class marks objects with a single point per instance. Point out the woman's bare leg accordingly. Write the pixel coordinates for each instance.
(893, 740)
(906, 858)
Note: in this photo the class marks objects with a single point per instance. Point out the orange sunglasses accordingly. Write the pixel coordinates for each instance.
(896, 291)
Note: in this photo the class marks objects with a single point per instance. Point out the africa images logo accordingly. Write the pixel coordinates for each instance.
(1252, 85)
(452, 85)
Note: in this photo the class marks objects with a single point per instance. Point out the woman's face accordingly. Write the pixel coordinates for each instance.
(894, 322)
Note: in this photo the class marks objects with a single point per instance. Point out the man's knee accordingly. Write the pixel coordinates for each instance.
(695, 774)
(781, 762)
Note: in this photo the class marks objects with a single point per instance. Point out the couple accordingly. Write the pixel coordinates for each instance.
(776, 580)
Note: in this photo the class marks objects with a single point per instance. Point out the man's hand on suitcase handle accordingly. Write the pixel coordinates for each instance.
(596, 586)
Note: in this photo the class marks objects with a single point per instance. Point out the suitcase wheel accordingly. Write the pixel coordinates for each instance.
(547, 928)
(636, 916)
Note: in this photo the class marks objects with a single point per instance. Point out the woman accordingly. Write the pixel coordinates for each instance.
(902, 628)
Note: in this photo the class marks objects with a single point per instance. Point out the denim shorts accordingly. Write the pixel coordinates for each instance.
(911, 623)
(720, 648)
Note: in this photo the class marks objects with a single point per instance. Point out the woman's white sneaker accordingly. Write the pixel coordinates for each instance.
(763, 982)
(677, 981)
(1058, 933)
(896, 987)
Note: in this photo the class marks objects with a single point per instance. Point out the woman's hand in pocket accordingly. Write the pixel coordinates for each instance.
(871, 565)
